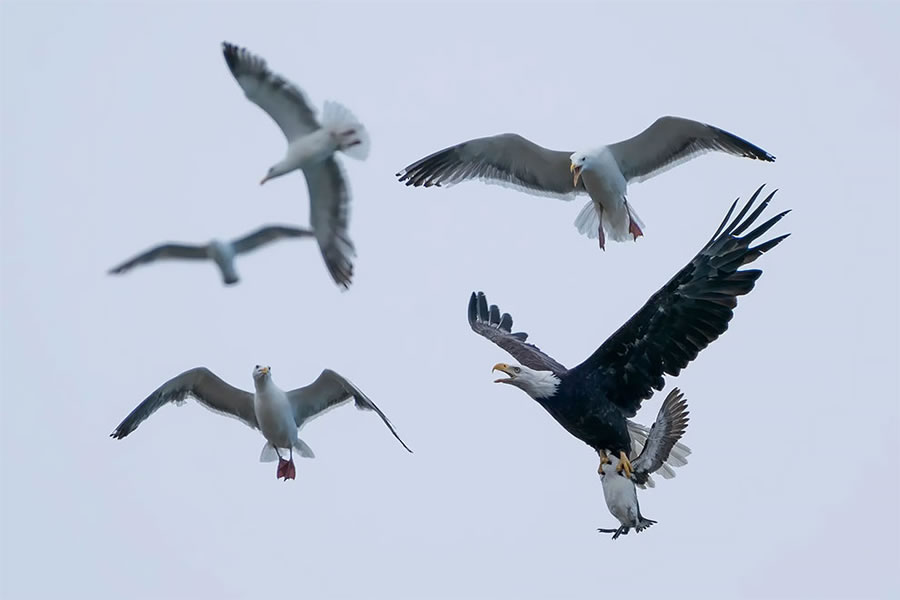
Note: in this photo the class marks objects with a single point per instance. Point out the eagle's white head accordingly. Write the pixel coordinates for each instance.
(537, 384)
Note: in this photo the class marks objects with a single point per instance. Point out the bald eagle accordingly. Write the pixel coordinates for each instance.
(594, 400)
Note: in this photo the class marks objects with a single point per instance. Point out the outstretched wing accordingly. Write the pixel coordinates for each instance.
(202, 384)
(670, 425)
(328, 391)
(329, 206)
(267, 234)
(281, 99)
(489, 323)
(681, 319)
(182, 251)
(670, 141)
(506, 159)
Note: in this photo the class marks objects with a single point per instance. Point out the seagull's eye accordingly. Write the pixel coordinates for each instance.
(257, 366)
(517, 369)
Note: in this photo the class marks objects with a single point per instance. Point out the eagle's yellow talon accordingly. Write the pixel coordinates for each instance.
(624, 465)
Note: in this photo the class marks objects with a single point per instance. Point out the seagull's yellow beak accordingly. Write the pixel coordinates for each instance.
(264, 179)
(504, 368)
(265, 370)
(576, 171)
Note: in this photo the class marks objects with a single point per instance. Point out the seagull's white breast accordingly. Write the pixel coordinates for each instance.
(620, 495)
(275, 416)
(311, 148)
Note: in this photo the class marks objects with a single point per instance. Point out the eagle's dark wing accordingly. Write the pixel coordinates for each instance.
(202, 384)
(267, 234)
(505, 159)
(670, 425)
(488, 322)
(682, 318)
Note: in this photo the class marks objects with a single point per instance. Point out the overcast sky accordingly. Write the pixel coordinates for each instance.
(122, 128)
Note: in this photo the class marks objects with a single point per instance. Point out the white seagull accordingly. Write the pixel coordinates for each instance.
(220, 252)
(311, 147)
(619, 489)
(603, 173)
(279, 415)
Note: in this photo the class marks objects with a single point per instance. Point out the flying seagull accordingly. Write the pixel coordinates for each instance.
(222, 253)
(277, 414)
(603, 173)
(618, 490)
(594, 400)
(311, 147)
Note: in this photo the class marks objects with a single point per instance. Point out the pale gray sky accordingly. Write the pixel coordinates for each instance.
(122, 127)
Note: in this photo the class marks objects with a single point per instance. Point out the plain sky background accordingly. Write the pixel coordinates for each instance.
(122, 128)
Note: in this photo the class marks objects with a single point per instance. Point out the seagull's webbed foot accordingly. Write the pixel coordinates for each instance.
(616, 532)
(634, 229)
(624, 465)
(286, 469)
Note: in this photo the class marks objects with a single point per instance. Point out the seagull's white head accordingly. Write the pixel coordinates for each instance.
(578, 162)
(261, 374)
(537, 384)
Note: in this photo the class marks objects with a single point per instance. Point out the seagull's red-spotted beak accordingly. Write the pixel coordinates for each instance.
(264, 179)
(264, 370)
(576, 172)
(504, 368)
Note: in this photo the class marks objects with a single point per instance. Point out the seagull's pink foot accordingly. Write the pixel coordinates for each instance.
(286, 469)
(633, 229)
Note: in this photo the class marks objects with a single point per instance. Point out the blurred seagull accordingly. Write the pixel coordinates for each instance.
(311, 148)
(222, 253)
(279, 415)
(619, 489)
(603, 173)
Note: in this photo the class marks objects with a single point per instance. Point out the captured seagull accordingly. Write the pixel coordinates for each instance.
(619, 490)
(311, 148)
(603, 173)
(279, 415)
(595, 400)
(220, 252)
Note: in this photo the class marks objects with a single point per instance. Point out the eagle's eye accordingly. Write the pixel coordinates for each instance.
(517, 369)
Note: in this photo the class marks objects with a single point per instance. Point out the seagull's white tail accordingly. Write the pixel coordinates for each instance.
(616, 223)
(268, 453)
(304, 450)
(353, 139)
(588, 221)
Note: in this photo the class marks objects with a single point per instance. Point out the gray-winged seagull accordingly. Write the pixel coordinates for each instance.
(277, 414)
(603, 173)
(311, 148)
(619, 489)
(218, 251)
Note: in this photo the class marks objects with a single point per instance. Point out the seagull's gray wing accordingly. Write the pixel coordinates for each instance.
(281, 99)
(670, 425)
(671, 141)
(329, 205)
(162, 251)
(506, 159)
(267, 234)
(201, 383)
(328, 391)
(489, 323)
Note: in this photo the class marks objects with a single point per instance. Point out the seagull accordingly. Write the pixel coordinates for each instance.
(603, 173)
(311, 148)
(279, 415)
(220, 252)
(619, 489)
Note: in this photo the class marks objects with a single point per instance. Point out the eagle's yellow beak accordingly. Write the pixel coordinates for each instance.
(504, 368)
(576, 171)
